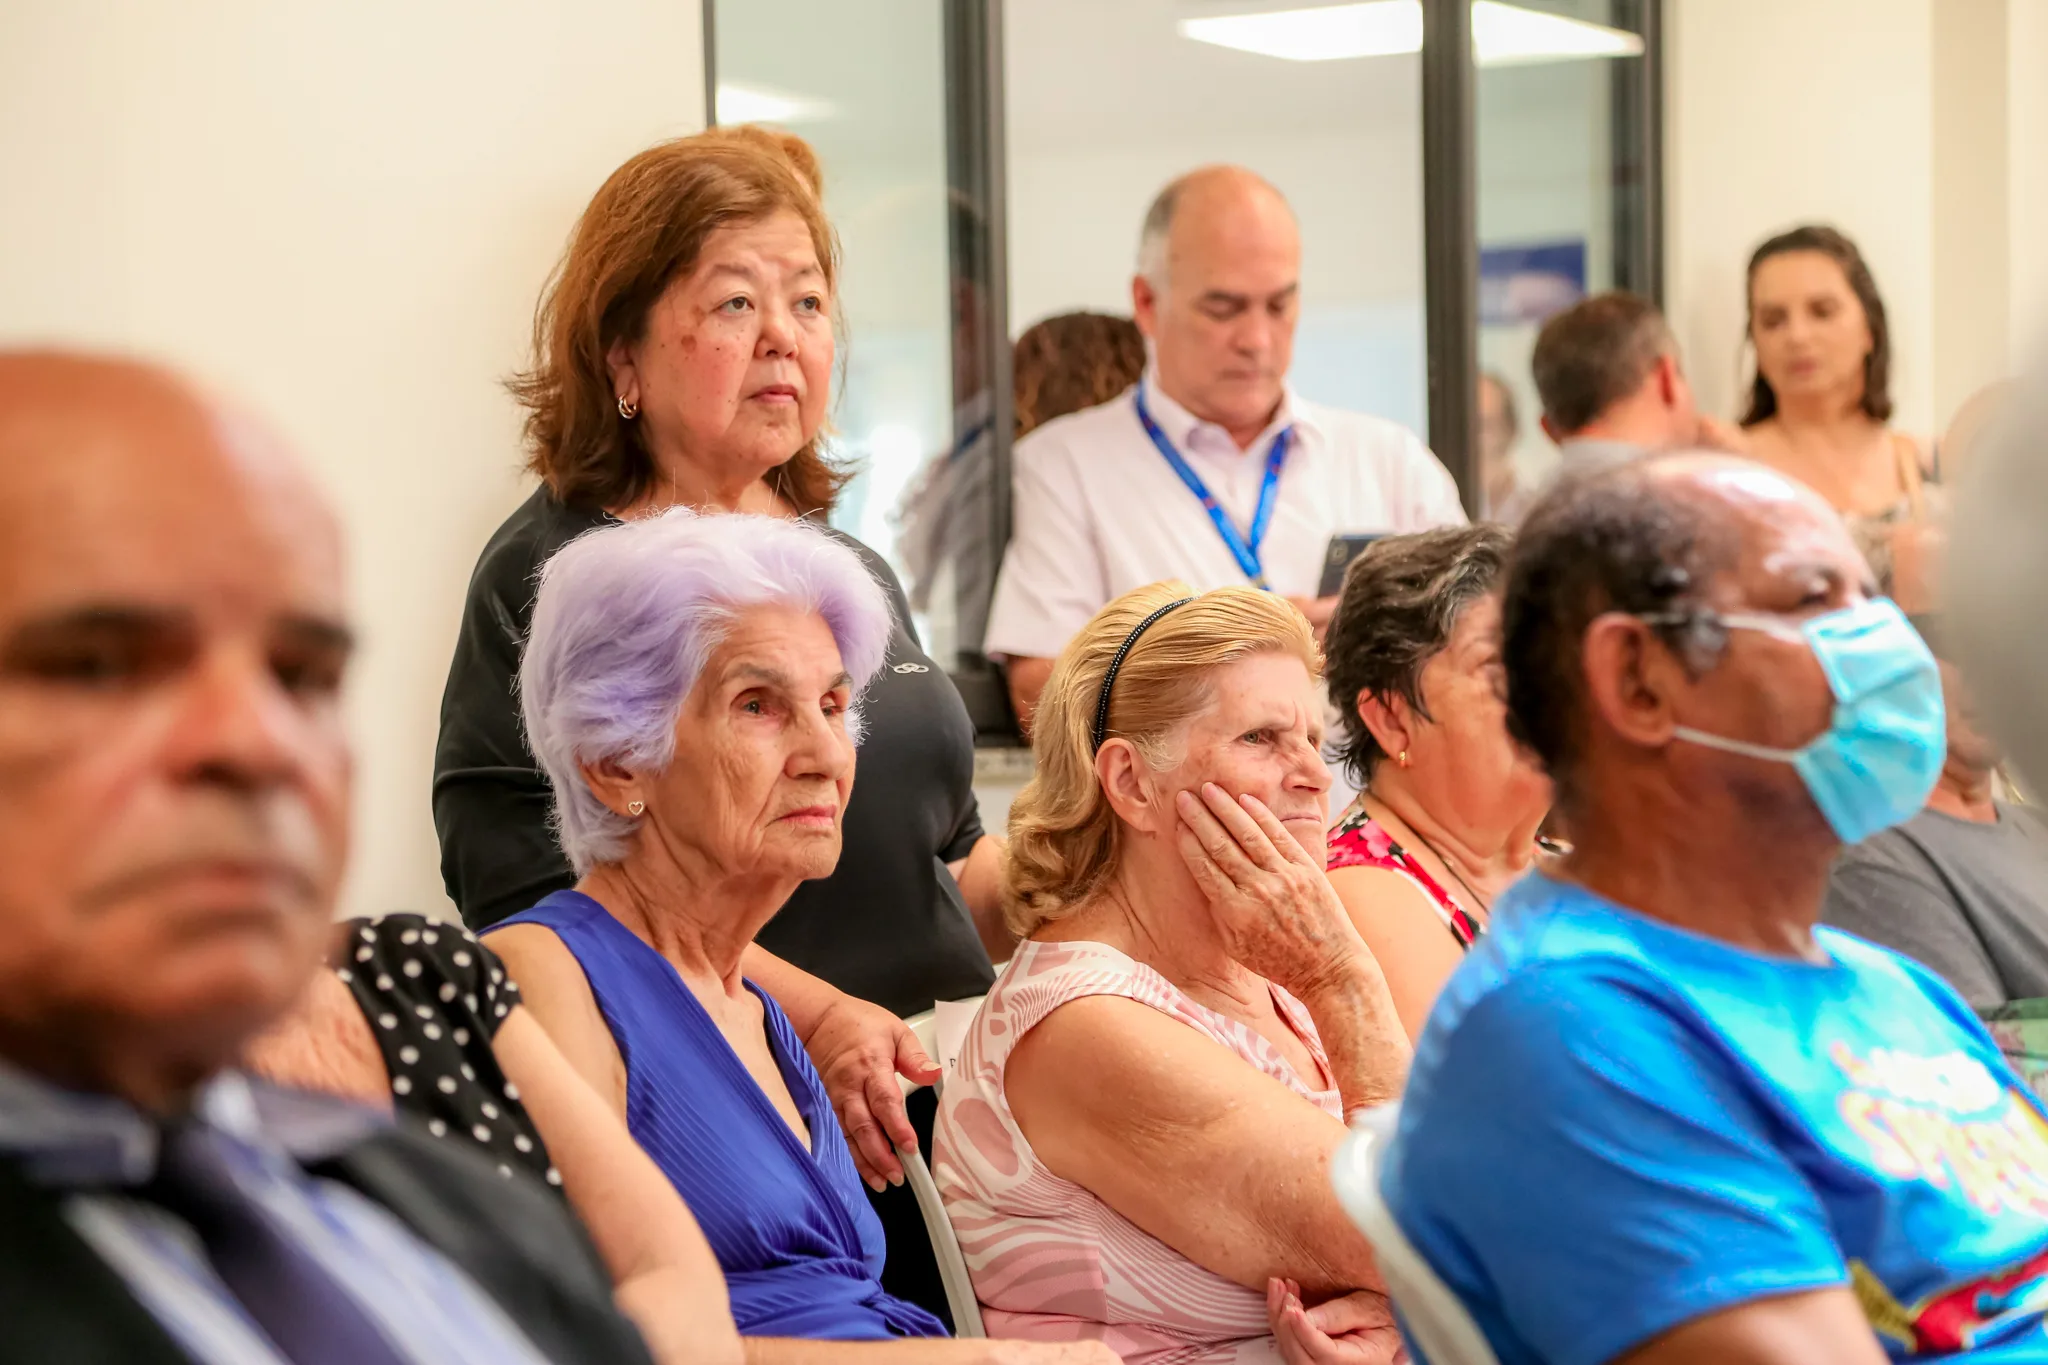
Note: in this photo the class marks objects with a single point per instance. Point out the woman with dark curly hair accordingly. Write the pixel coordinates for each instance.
(1449, 806)
(1073, 361)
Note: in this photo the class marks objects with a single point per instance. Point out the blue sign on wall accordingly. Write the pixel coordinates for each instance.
(1528, 283)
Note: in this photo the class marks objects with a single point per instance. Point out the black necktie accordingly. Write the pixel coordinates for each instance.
(307, 1314)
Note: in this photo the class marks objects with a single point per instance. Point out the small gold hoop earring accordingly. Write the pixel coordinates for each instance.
(628, 410)
(635, 807)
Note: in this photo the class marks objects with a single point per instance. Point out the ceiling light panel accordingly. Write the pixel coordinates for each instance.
(1502, 34)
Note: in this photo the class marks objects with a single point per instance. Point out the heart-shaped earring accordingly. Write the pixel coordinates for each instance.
(635, 807)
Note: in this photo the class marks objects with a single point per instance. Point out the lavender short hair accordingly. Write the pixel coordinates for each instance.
(626, 619)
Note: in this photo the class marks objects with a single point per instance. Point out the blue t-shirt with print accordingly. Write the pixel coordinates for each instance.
(1615, 1126)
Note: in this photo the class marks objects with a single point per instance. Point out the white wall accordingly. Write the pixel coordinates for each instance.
(342, 211)
(1789, 111)
(2026, 87)
(1972, 189)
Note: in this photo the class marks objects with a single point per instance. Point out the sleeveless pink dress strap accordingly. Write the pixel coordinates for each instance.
(1050, 1261)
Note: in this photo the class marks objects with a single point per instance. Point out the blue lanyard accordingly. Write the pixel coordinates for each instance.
(1244, 547)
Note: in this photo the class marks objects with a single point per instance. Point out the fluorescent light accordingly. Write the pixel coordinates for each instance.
(1378, 28)
(759, 104)
(1502, 34)
(1508, 35)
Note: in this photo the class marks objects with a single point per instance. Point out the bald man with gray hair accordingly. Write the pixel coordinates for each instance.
(1211, 469)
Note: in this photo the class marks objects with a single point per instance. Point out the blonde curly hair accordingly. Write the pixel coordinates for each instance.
(1064, 837)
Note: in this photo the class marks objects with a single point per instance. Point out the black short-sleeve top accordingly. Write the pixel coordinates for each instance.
(435, 998)
(888, 925)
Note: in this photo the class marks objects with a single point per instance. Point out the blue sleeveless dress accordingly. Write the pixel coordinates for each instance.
(800, 1246)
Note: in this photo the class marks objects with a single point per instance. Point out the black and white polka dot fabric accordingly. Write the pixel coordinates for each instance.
(435, 997)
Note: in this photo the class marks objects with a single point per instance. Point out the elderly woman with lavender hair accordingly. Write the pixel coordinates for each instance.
(690, 684)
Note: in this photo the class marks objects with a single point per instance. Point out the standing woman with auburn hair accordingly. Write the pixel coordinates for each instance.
(682, 356)
(1820, 404)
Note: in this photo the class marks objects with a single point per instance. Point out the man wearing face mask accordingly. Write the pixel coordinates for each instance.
(1211, 469)
(1659, 1115)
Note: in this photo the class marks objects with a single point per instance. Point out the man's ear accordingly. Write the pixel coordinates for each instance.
(1132, 788)
(1670, 380)
(613, 784)
(1145, 306)
(1631, 679)
(625, 374)
(1389, 721)
(1550, 429)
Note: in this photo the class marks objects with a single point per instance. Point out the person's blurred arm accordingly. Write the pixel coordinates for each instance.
(980, 875)
(664, 1274)
(1026, 678)
(859, 1049)
(1818, 1327)
(1052, 579)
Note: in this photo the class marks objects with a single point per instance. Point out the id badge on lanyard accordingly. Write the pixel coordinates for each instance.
(1244, 547)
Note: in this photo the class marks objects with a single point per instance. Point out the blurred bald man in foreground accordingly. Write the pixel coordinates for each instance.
(1211, 469)
(174, 798)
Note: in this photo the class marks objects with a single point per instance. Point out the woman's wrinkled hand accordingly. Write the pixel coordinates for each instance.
(859, 1049)
(1354, 1329)
(1272, 903)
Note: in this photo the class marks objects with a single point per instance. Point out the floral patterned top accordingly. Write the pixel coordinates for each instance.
(1358, 840)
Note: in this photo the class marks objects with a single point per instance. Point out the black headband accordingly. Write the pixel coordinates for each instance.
(1109, 678)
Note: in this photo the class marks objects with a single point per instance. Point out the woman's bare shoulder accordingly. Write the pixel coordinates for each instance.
(536, 956)
(557, 995)
(1371, 893)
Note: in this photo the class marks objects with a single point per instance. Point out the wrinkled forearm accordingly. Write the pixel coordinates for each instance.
(1363, 1037)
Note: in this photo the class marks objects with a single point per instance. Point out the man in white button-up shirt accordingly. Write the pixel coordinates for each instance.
(1100, 505)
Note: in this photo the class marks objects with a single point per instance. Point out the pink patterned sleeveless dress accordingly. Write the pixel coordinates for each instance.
(1050, 1261)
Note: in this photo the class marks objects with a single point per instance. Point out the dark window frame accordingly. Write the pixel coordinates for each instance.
(1450, 202)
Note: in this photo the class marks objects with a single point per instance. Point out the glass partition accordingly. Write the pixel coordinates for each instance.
(988, 164)
(1109, 102)
(864, 82)
(1561, 175)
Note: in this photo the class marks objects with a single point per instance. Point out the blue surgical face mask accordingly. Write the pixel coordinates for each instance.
(1875, 764)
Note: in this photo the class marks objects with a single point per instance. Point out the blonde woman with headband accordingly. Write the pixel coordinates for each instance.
(1149, 1098)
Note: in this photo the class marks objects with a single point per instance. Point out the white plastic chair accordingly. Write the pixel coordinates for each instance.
(1432, 1313)
(953, 1275)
